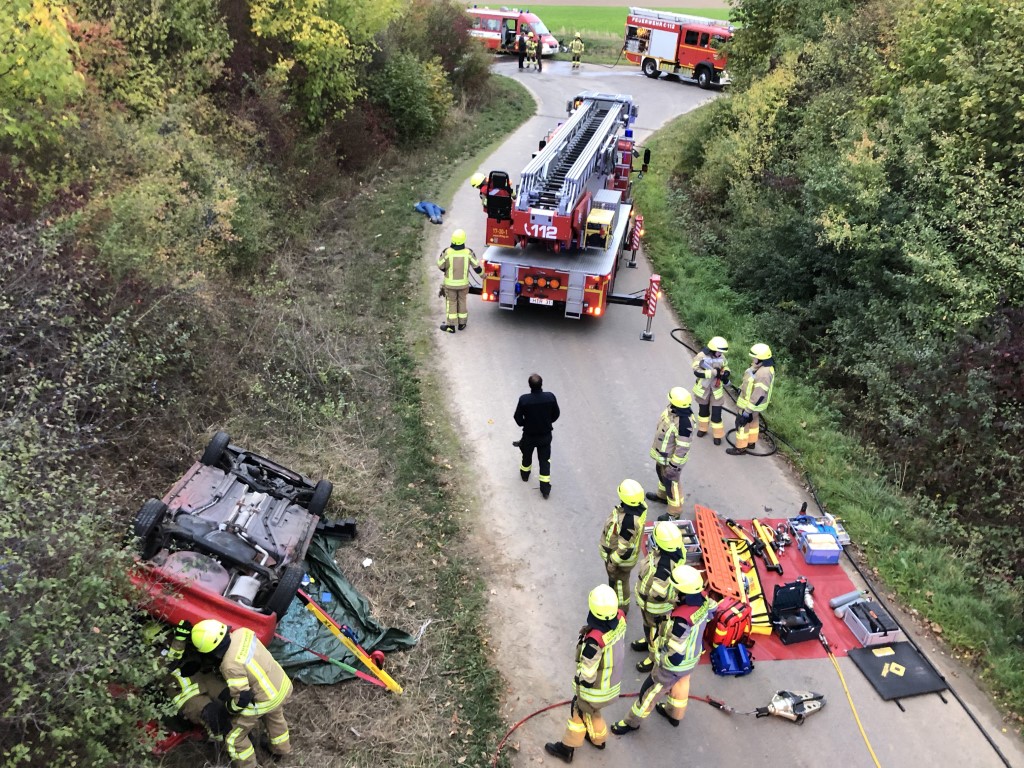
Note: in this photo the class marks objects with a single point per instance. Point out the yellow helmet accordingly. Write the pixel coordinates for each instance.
(477, 179)
(761, 352)
(679, 397)
(208, 634)
(603, 602)
(687, 579)
(718, 344)
(459, 237)
(667, 536)
(631, 492)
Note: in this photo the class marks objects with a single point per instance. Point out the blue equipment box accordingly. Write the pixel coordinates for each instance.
(735, 660)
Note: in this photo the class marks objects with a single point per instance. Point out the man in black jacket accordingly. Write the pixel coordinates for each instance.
(536, 412)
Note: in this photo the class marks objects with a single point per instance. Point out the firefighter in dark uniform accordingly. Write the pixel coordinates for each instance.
(536, 412)
(521, 48)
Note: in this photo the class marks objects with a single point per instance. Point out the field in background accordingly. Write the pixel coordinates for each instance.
(590, 21)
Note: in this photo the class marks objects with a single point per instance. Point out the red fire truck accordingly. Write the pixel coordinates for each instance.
(558, 238)
(499, 28)
(686, 46)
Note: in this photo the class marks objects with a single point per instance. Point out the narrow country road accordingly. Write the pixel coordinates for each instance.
(542, 554)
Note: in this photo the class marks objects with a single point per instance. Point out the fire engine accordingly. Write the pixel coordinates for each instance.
(498, 29)
(558, 238)
(687, 46)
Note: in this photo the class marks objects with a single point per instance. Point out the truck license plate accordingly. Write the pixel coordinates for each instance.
(545, 302)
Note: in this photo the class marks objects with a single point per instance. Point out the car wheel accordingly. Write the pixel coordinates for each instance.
(650, 68)
(215, 449)
(147, 523)
(285, 590)
(704, 78)
(321, 495)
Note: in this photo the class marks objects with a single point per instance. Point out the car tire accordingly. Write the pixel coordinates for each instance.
(321, 495)
(215, 449)
(285, 590)
(650, 68)
(147, 523)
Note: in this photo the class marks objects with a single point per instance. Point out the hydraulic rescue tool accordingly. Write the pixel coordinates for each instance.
(796, 706)
(767, 537)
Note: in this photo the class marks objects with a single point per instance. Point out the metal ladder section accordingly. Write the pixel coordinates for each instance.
(507, 289)
(678, 18)
(574, 295)
(555, 178)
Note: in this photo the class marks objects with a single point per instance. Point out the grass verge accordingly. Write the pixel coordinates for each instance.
(981, 619)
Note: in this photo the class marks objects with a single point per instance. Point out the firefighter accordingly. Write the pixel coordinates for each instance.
(479, 181)
(193, 691)
(712, 372)
(678, 646)
(755, 394)
(455, 261)
(531, 52)
(521, 48)
(576, 47)
(257, 688)
(620, 539)
(655, 593)
(598, 676)
(536, 412)
(670, 451)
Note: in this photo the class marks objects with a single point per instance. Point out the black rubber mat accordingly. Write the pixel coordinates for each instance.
(896, 670)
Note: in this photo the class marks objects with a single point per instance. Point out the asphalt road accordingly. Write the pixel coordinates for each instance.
(542, 556)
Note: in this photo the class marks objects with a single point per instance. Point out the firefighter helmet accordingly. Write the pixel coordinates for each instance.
(679, 397)
(760, 352)
(477, 179)
(603, 602)
(718, 344)
(631, 492)
(459, 237)
(687, 579)
(667, 536)
(208, 634)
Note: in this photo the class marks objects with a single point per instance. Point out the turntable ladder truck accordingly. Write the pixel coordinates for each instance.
(558, 239)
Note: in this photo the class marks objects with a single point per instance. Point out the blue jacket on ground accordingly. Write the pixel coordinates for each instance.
(430, 210)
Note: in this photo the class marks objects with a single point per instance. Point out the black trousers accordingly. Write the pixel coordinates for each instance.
(542, 444)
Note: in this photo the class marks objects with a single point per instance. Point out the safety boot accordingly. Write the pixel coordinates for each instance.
(524, 474)
(586, 735)
(559, 750)
(663, 711)
(545, 489)
(751, 447)
(702, 434)
(718, 441)
(462, 326)
(651, 496)
(621, 728)
(736, 451)
(447, 328)
(646, 665)
(639, 645)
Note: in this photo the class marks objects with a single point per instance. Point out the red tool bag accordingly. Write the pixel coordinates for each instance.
(731, 626)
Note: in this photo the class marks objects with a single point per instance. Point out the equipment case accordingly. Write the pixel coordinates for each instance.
(872, 629)
(789, 615)
(731, 660)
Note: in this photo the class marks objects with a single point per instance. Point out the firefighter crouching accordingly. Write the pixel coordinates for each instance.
(599, 657)
(620, 539)
(257, 687)
(712, 372)
(755, 394)
(655, 592)
(670, 451)
(678, 646)
(194, 691)
(455, 261)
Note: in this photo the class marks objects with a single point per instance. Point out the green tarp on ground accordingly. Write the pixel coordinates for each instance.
(333, 592)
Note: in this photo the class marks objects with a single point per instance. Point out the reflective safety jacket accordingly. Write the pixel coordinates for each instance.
(248, 665)
(655, 593)
(708, 369)
(680, 641)
(672, 437)
(455, 263)
(620, 539)
(599, 662)
(576, 46)
(756, 388)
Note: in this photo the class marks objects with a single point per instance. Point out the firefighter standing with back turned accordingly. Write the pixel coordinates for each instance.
(712, 372)
(620, 539)
(257, 687)
(599, 658)
(655, 592)
(755, 394)
(455, 261)
(677, 649)
(576, 47)
(536, 412)
(670, 450)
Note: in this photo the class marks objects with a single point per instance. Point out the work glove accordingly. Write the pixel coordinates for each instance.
(216, 719)
(725, 376)
(245, 700)
(440, 291)
(744, 419)
(478, 270)
(183, 631)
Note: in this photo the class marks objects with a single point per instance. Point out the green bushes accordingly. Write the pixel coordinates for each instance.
(416, 96)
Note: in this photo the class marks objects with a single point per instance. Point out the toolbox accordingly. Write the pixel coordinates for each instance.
(871, 625)
(819, 548)
(790, 616)
(732, 660)
(691, 544)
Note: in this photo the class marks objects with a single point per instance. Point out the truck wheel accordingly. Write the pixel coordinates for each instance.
(285, 590)
(215, 449)
(321, 495)
(147, 521)
(650, 68)
(704, 78)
